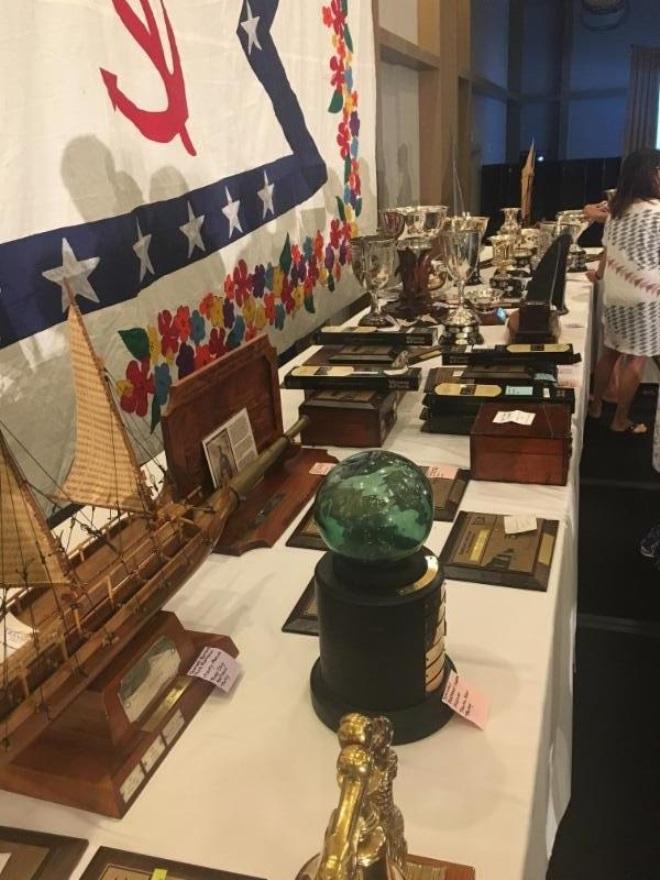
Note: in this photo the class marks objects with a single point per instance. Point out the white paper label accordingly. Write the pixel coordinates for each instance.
(518, 525)
(322, 468)
(153, 753)
(230, 448)
(132, 782)
(218, 667)
(173, 727)
(441, 472)
(4, 858)
(516, 415)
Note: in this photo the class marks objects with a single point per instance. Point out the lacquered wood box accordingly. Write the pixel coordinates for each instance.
(348, 418)
(515, 453)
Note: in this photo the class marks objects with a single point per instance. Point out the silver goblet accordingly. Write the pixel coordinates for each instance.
(510, 225)
(372, 260)
(423, 219)
(393, 221)
(460, 251)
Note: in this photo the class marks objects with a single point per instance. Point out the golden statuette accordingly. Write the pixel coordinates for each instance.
(365, 838)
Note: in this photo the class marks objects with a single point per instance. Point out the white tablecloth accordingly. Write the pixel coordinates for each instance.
(250, 785)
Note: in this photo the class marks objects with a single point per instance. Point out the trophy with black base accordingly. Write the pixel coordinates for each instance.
(380, 598)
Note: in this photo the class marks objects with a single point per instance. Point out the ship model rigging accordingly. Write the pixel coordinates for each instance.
(64, 616)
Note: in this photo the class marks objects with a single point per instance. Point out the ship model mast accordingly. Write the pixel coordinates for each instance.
(64, 616)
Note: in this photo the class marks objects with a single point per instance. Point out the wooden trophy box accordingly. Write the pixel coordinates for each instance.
(349, 418)
(244, 378)
(513, 453)
(100, 752)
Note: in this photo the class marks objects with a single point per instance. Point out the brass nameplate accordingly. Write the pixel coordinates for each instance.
(181, 684)
(432, 568)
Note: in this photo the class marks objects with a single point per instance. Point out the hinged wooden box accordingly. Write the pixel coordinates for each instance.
(509, 452)
(348, 418)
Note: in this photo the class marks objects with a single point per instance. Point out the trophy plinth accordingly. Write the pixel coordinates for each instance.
(461, 327)
(380, 598)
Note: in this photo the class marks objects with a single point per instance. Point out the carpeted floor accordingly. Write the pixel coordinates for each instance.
(611, 829)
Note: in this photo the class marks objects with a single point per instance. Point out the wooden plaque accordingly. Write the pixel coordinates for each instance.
(478, 549)
(116, 864)
(304, 618)
(273, 505)
(306, 534)
(243, 378)
(101, 751)
(37, 856)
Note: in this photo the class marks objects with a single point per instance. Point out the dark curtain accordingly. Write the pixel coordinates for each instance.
(642, 121)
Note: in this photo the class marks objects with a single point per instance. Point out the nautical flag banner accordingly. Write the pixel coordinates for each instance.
(195, 169)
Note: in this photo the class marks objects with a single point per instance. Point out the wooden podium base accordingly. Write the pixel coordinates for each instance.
(100, 752)
(422, 868)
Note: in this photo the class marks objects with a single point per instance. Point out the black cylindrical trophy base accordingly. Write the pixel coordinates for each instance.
(409, 724)
(381, 639)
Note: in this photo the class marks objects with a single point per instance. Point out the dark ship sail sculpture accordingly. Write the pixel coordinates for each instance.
(65, 616)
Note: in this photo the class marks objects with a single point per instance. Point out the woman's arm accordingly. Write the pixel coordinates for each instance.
(595, 275)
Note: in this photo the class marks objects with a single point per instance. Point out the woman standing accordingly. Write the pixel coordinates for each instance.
(630, 267)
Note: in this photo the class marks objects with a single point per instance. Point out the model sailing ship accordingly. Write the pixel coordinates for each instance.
(65, 615)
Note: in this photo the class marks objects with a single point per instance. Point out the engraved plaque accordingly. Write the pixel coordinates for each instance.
(148, 677)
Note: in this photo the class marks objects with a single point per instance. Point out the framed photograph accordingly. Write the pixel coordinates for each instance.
(31, 855)
(304, 618)
(115, 864)
(220, 457)
(306, 534)
(229, 448)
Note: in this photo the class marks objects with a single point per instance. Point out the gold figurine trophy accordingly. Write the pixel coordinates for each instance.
(365, 836)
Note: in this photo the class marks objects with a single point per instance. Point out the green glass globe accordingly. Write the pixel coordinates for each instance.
(375, 507)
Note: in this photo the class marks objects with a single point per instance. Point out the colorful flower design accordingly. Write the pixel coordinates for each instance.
(265, 296)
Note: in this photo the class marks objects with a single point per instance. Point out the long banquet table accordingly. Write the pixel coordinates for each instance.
(250, 785)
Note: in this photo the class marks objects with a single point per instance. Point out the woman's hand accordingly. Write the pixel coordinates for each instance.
(593, 276)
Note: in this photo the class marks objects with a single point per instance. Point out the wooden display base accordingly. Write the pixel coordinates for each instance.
(275, 503)
(422, 868)
(100, 752)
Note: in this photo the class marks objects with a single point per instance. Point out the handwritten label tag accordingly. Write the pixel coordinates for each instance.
(466, 700)
(517, 416)
(441, 472)
(518, 525)
(218, 667)
(322, 468)
(4, 858)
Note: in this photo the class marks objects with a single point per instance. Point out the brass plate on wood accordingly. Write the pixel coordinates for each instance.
(479, 550)
(37, 856)
(115, 864)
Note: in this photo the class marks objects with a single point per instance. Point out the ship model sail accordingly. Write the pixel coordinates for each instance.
(65, 615)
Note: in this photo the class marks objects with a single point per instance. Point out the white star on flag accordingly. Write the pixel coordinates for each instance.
(266, 196)
(250, 25)
(192, 231)
(141, 248)
(230, 211)
(74, 271)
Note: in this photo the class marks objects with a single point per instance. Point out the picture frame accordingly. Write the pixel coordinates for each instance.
(36, 855)
(116, 864)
